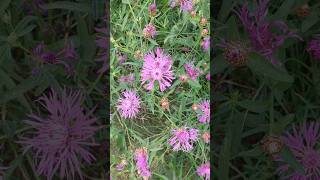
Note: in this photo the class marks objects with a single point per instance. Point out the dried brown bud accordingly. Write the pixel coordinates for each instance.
(206, 137)
(194, 107)
(183, 78)
(203, 21)
(204, 32)
(271, 144)
(165, 104)
(303, 11)
(193, 14)
(138, 54)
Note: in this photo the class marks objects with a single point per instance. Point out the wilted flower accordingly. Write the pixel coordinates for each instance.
(157, 67)
(183, 139)
(272, 144)
(192, 71)
(141, 157)
(127, 79)
(263, 39)
(235, 53)
(129, 105)
(138, 54)
(205, 44)
(204, 32)
(195, 107)
(193, 14)
(122, 57)
(165, 104)
(302, 143)
(204, 112)
(153, 9)
(183, 78)
(149, 31)
(313, 48)
(303, 11)
(62, 138)
(204, 170)
(121, 165)
(203, 21)
(206, 137)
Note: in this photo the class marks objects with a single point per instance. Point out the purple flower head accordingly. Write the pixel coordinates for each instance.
(129, 105)
(102, 44)
(149, 31)
(313, 48)
(263, 40)
(204, 170)
(186, 5)
(121, 165)
(69, 52)
(302, 143)
(141, 157)
(235, 52)
(127, 79)
(192, 71)
(208, 77)
(157, 67)
(153, 9)
(34, 7)
(122, 57)
(205, 44)
(183, 139)
(204, 112)
(61, 139)
(172, 3)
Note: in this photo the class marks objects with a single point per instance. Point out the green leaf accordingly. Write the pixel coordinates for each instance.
(311, 20)
(282, 123)
(262, 66)
(284, 10)
(194, 83)
(219, 64)
(254, 106)
(22, 25)
(67, 5)
(288, 157)
(4, 5)
(26, 30)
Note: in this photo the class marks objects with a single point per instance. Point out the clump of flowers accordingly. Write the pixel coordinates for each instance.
(149, 31)
(61, 140)
(204, 170)
(185, 5)
(302, 143)
(141, 157)
(204, 112)
(192, 71)
(205, 44)
(129, 105)
(263, 40)
(157, 67)
(313, 48)
(183, 139)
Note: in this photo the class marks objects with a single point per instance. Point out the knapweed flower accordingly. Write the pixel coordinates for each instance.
(149, 31)
(263, 39)
(302, 142)
(153, 9)
(186, 5)
(65, 56)
(313, 48)
(157, 67)
(204, 111)
(192, 71)
(62, 138)
(102, 40)
(205, 44)
(203, 21)
(141, 157)
(235, 53)
(122, 57)
(183, 78)
(271, 144)
(208, 77)
(204, 32)
(127, 79)
(204, 170)
(165, 104)
(206, 137)
(129, 105)
(183, 139)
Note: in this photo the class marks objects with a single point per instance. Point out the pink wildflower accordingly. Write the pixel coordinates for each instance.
(141, 157)
(183, 139)
(157, 67)
(205, 44)
(192, 71)
(128, 105)
(204, 170)
(204, 112)
(149, 31)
